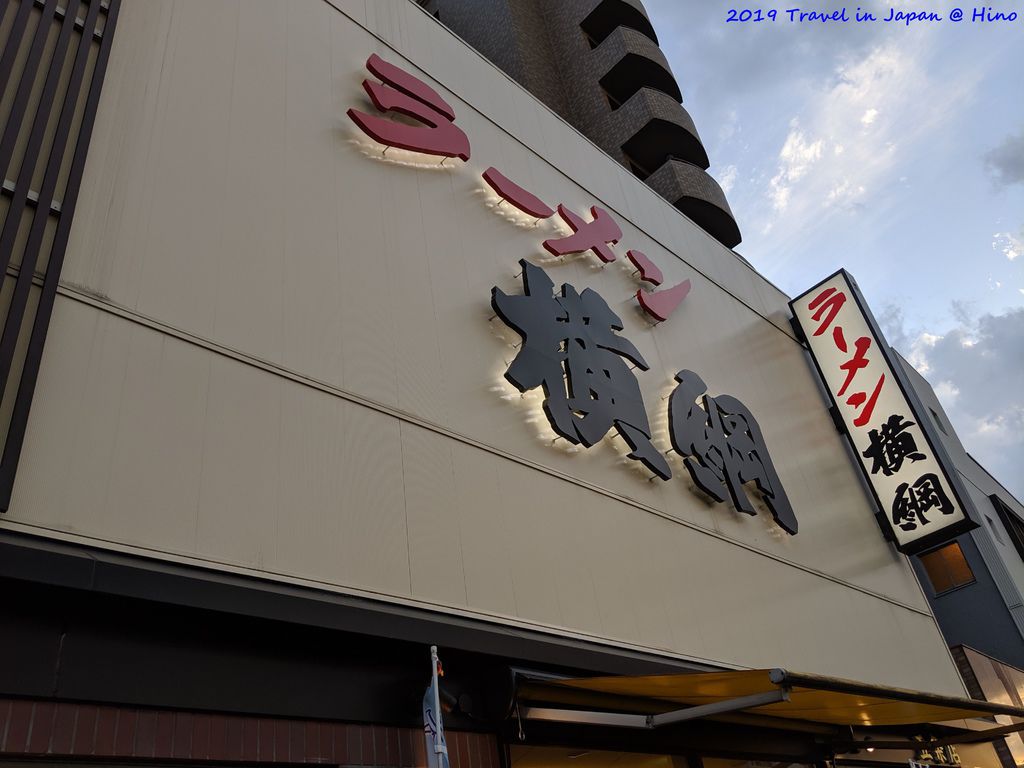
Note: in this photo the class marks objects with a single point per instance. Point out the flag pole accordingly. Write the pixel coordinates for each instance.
(438, 748)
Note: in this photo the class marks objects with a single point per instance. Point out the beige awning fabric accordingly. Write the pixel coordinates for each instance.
(812, 698)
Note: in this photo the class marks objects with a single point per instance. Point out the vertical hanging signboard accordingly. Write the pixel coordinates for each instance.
(904, 464)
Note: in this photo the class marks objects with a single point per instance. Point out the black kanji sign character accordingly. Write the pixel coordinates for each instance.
(723, 448)
(571, 349)
(891, 445)
(912, 501)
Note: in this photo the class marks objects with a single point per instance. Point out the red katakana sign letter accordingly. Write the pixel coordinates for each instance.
(506, 189)
(855, 363)
(858, 398)
(829, 303)
(648, 270)
(400, 92)
(661, 304)
(596, 235)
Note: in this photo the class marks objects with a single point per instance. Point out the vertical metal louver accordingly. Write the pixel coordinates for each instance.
(52, 61)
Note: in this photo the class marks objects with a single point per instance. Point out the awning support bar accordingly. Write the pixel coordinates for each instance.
(586, 718)
(718, 707)
(625, 720)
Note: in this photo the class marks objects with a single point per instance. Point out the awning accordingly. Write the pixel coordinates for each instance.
(655, 700)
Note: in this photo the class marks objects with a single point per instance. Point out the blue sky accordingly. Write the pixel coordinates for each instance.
(896, 152)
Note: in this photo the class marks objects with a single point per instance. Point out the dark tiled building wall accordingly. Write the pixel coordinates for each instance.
(513, 36)
(597, 64)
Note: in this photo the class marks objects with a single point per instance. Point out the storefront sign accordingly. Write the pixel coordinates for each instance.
(724, 449)
(572, 350)
(426, 126)
(570, 347)
(936, 756)
(882, 416)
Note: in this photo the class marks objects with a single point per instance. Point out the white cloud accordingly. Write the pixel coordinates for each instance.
(1008, 245)
(727, 178)
(947, 393)
(730, 126)
(796, 158)
(829, 166)
(798, 154)
(845, 193)
(779, 196)
(977, 371)
(917, 352)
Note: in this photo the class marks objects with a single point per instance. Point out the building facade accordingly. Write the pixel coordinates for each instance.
(276, 421)
(975, 582)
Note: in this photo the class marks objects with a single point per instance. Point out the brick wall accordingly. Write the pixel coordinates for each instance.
(67, 730)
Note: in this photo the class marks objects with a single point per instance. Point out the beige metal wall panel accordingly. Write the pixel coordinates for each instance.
(272, 352)
(286, 479)
(373, 551)
(315, 492)
(253, 213)
(435, 538)
(312, 314)
(241, 439)
(163, 392)
(488, 571)
(187, 151)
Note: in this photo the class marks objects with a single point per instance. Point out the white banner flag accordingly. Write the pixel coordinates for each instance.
(433, 728)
